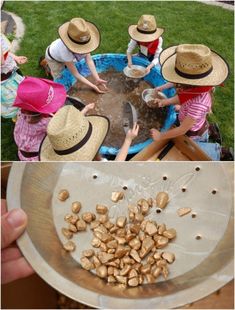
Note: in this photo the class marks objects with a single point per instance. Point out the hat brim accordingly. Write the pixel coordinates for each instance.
(218, 75)
(89, 47)
(142, 37)
(166, 53)
(56, 103)
(100, 126)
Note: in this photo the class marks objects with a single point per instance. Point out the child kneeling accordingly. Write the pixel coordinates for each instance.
(147, 36)
(194, 69)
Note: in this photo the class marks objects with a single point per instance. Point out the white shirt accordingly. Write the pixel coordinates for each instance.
(61, 53)
(133, 44)
(9, 64)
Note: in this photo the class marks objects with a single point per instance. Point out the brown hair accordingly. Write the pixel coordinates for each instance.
(33, 117)
(183, 86)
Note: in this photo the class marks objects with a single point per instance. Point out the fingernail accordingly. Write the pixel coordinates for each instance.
(16, 218)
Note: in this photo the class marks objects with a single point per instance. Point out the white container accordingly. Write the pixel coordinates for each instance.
(150, 94)
(129, 72)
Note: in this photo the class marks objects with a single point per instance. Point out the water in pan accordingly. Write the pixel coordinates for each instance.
(110, 104)
(136, 73)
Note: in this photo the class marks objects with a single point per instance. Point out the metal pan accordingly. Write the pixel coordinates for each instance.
(131, 72)
(129, 116)
(149, 94)
(201, 267)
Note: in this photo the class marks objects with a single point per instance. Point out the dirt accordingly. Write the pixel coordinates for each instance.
(136, 73)
(149, 99)
(110, 104)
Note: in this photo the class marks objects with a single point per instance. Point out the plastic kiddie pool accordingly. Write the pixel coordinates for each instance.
(118, 62)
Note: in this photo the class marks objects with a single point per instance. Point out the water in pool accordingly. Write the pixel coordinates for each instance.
(110, 104)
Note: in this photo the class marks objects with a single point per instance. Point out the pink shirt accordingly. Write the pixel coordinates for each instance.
(28, 137)
(197, 108)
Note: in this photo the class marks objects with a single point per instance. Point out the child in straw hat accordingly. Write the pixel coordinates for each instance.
(73, 137)
(194, 69)
(10, 78)
(147, 37)
(78, 38)
(79, 138)
(38, 99)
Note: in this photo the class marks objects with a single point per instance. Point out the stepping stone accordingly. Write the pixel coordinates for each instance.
(8, 23)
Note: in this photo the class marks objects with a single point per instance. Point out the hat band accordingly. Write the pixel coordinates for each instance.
(79, 42)
(193, 76)
(147, 31)
(78, 145)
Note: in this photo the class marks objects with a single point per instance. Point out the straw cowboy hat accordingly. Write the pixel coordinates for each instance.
(193, 64)
(40, 95)
(146, 30)
(80, 36)
(73, 137)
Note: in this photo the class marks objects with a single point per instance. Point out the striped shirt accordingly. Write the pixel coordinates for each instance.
(28, 137)
(197, 108)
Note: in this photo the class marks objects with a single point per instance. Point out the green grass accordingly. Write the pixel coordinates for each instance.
(184, 22)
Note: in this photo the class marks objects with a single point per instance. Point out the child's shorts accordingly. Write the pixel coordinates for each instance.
(213, 150)
(56, 68)
(8, 94)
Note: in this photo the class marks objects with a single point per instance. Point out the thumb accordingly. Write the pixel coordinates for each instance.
(13, 225)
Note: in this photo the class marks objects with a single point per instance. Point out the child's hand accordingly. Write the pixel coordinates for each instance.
(21, 59)
(133, 133)
(155, 134)
(161, 103)
(102, 83)
(129, 64)
(159, 88)
(88, 107)
(96, 88)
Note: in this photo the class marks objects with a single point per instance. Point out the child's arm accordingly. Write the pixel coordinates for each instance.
(87, 108)
(186, 125)
(149, 67)
(158, 51)
(155, 61)
(166, 102)
(20, 60)
(72, 68)
(165, 86)
(94, 73)
(131, 46)
(131, 134)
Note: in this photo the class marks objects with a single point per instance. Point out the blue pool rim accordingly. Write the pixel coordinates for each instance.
(118, 62)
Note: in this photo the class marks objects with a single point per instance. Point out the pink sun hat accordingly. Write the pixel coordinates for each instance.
(40, 95)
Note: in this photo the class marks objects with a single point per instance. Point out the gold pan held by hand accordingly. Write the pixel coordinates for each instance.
(42, 244)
